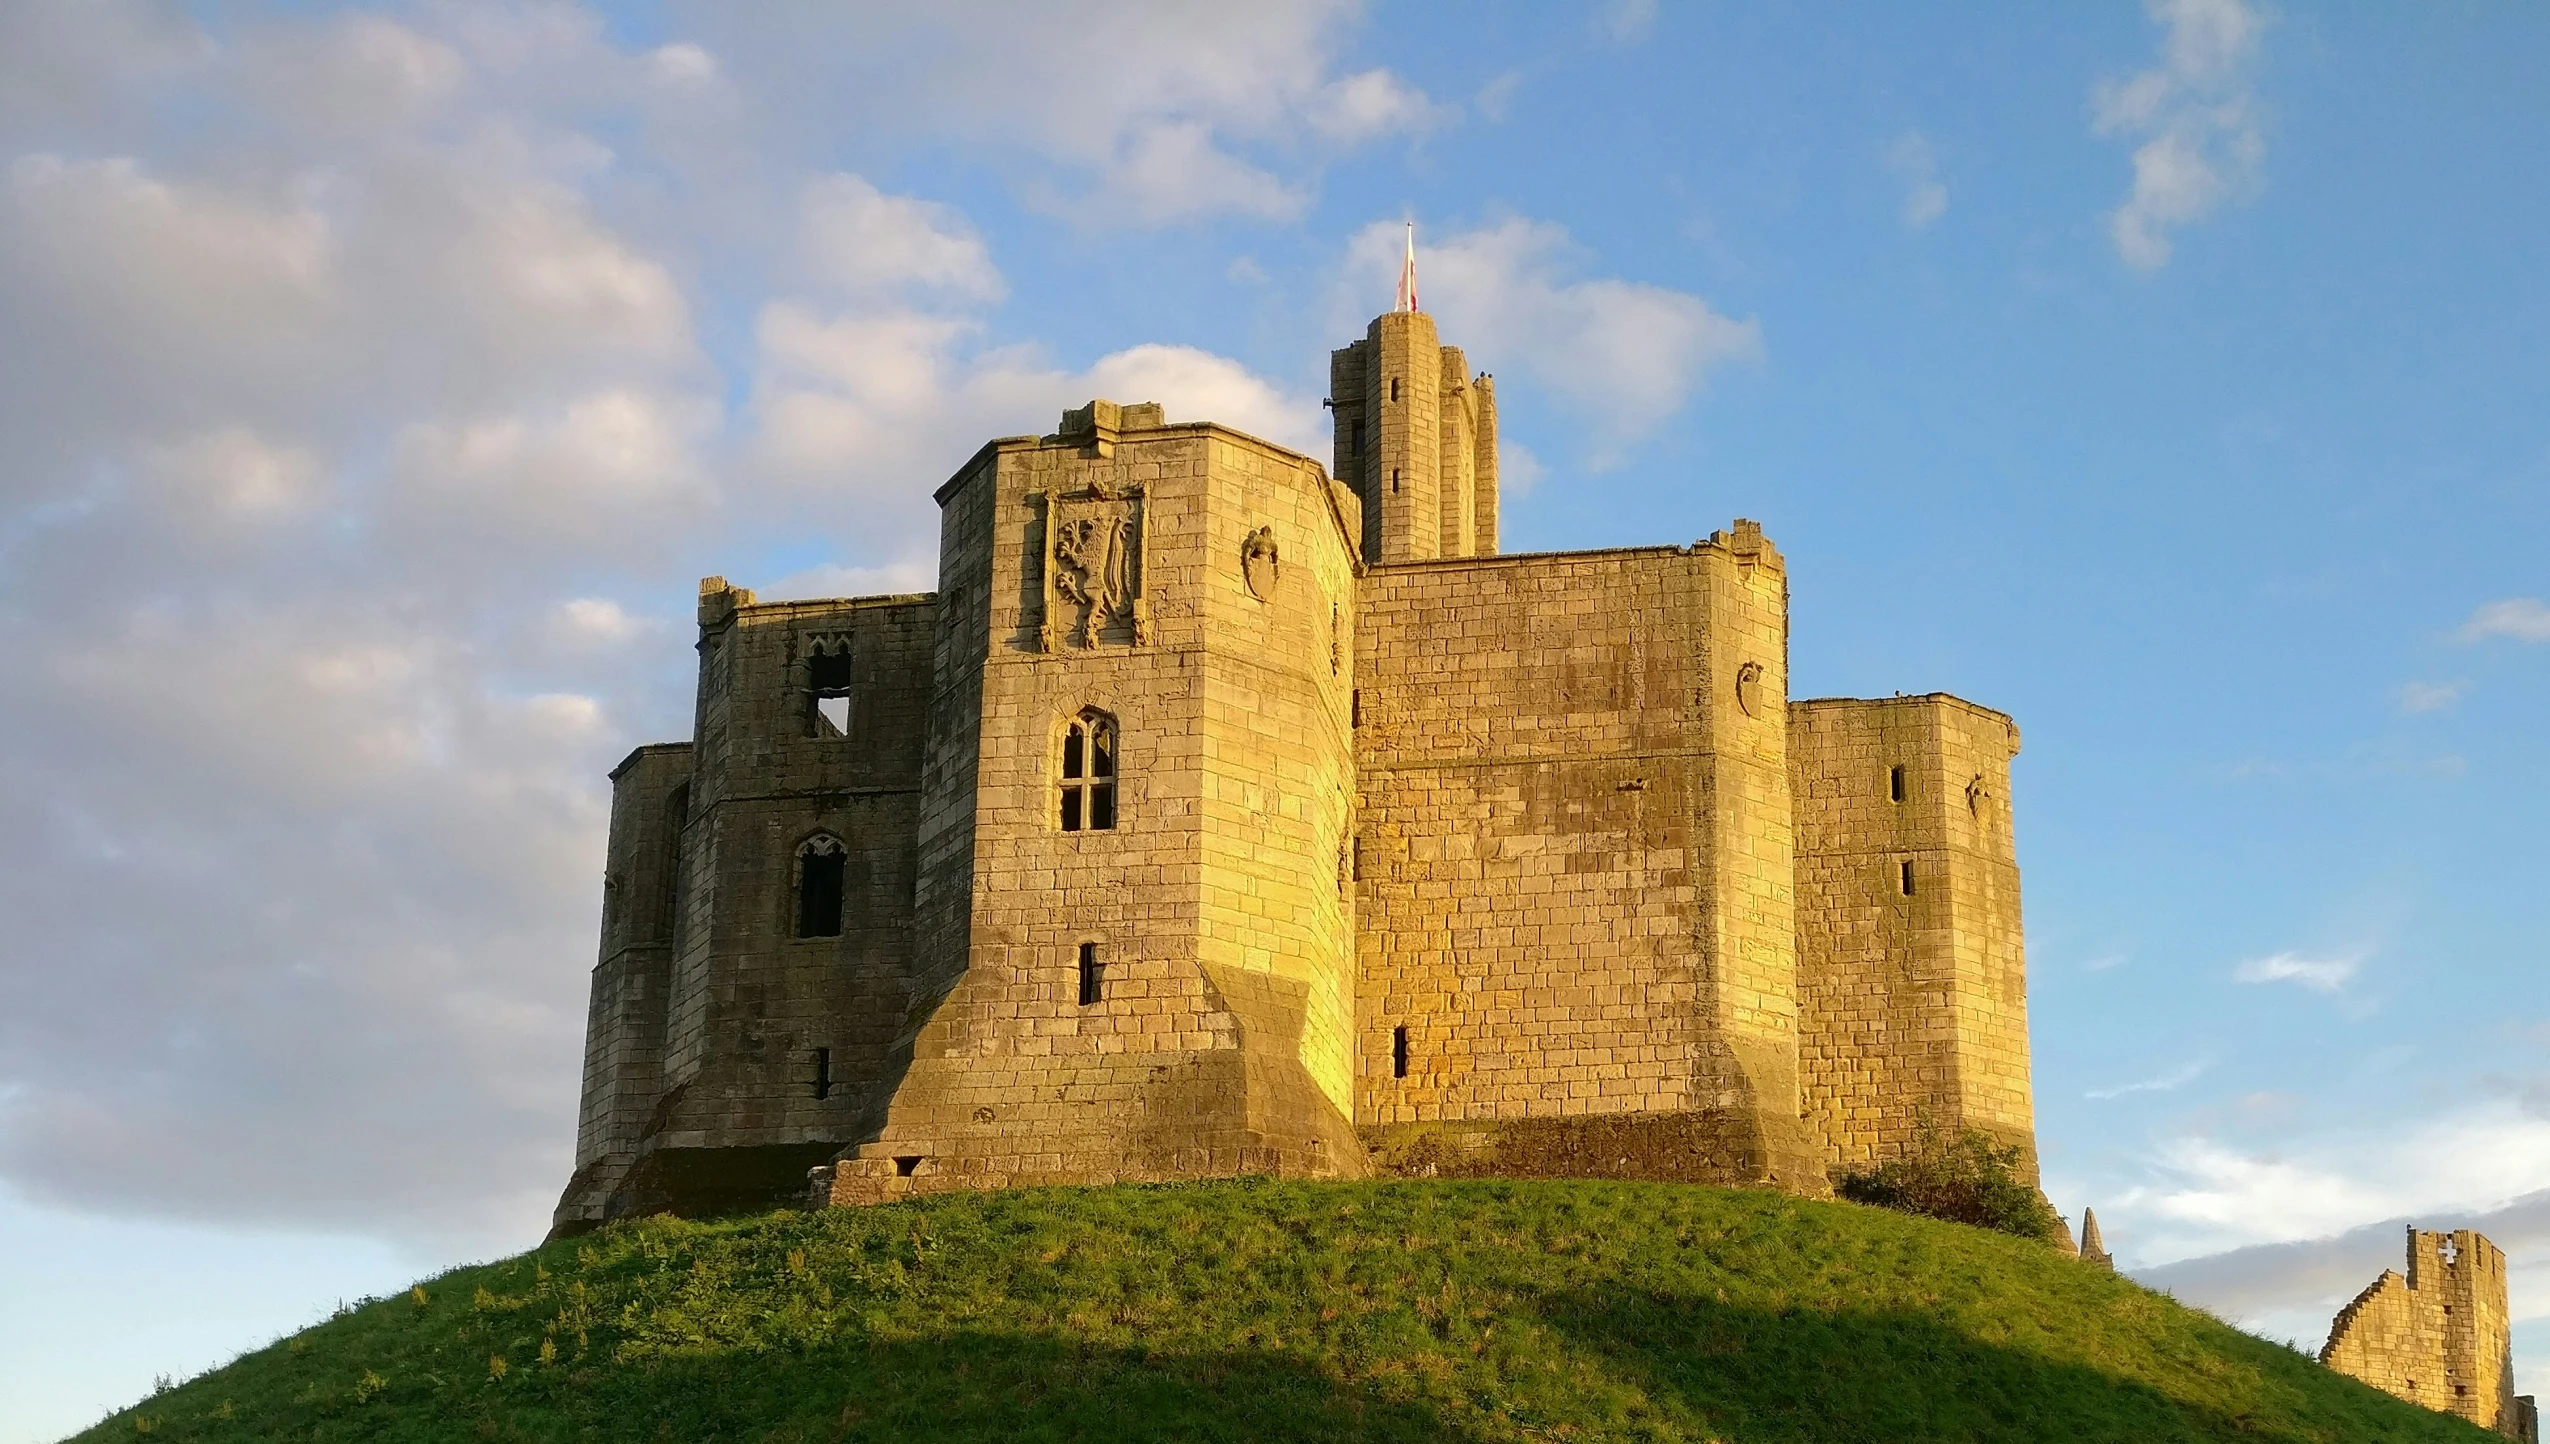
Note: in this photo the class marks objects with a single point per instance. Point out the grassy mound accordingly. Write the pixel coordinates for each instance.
(1437, 1312)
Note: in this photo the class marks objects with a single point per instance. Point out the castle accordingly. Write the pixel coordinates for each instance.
(1224, 813)
(2438, 1336)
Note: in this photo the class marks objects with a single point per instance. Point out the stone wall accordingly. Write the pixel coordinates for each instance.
(760, 1052)
(1911, 965)
(2438, 1336)
(1219, 1038)
(1573, 852)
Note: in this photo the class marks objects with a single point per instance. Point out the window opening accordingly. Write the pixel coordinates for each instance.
(1358, 862)
(907, 1165)
(1355, 707)
(1399, 1052)
(1089, 773)
(822, 863)
(1895, 784)
(1355, 435)
(823, 1072)
(1093, 975)
(1394, 481)
(1394, 388)
(1908, 879)
(828, 688)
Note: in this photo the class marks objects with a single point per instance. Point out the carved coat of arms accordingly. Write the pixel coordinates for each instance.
(1093, 569)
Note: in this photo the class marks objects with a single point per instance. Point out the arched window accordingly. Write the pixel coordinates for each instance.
(822, 863)
(1089, 773)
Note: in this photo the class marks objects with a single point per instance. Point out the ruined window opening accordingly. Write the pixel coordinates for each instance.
(1895, 784)
(1089, 773)
(1394, 388)
(1399, 1052)
(822, 866)
(1093, 976)
(1908, 879)
(823, 1072)
(907, 1165)
(828, 688)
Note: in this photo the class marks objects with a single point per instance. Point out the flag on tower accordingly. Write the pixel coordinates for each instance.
(1408, 273)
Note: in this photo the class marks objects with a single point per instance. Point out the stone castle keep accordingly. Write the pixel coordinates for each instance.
(1222, 813)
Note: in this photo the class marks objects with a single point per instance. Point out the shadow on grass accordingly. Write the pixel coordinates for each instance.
(962, 1387)
(1750, 1377)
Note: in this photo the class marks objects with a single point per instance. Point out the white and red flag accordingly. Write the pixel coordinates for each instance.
(1408, 273)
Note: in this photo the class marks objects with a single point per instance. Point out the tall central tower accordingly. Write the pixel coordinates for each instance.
(1416, 439)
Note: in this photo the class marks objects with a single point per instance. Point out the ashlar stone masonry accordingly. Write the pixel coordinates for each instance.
(1221, 814)
(2437, 1335)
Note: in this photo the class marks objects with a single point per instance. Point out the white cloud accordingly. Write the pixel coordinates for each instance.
(2416, 697)
(2170, 1081)
(2195, 120)
(1913, 162)
(1628, 21)
(1625, 354)
(1121, 112)
(1496, 98)
(233, 471)
(2321, 975)
(863, 241)
(2521, 619)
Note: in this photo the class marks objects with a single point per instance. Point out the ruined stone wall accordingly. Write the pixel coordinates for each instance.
(1573, 886)
(1911, 969)
(1219, 1039)
(2437, 1337)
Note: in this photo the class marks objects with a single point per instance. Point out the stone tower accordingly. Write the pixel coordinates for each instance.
(1416, 441)
(2438, 1337)
(1216, 816)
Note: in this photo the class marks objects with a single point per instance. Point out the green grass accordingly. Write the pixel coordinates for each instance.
(1438, 1312)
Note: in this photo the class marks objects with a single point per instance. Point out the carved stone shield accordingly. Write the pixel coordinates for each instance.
(1259, 563)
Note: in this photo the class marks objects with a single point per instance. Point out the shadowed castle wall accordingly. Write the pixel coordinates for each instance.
(1914, 1002)
(751, 1016)
(1574, 856)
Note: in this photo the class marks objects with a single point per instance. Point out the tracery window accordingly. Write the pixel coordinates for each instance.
(822, 866)
(1088, 779)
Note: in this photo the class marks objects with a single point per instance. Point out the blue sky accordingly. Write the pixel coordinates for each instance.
(380, 381)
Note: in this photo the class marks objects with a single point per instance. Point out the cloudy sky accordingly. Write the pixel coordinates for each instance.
(378, 382)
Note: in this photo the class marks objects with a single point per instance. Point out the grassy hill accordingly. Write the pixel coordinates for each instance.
(1436, 1312)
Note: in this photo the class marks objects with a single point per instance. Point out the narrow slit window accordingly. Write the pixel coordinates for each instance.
(1399, 1051)
(1394, 481)
(822, 866)
(1394, 388)
(1908, 891)
(1895, 783)
(1093, 976)
(823, 1072)
(1088, 780)
(1355, 437)
(1355, 708)
(828, 689)
(1358, 862)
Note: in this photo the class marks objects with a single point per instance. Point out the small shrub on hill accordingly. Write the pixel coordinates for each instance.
(1964, 1177)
